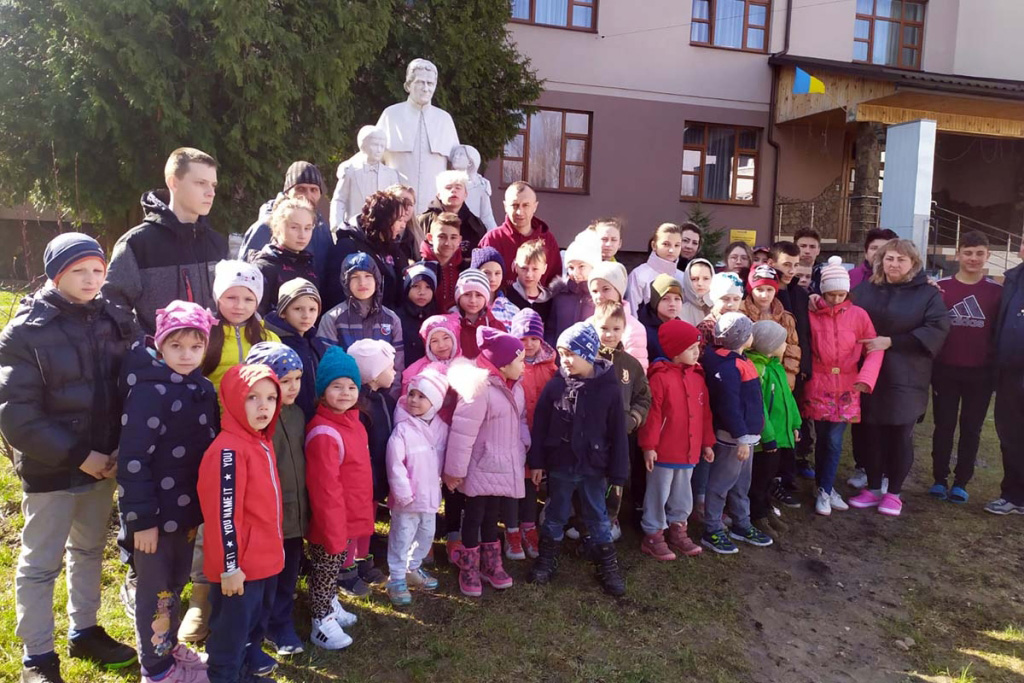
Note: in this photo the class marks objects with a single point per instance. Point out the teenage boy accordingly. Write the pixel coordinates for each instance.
(1008, 339)
(808, 241)
(442, 248)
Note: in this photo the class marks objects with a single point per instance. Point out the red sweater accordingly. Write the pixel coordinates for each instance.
(678, 425)
(507, 241)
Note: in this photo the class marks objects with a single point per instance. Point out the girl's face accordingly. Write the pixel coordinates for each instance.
(763, 295)
(260, 404)
(700, 277)
(82, 281)
(578, 271)
(896, 266)
(602, 290)
(385, 379)
(729, 303)
(529, 274)
(362, 285)
(760, 257)
(670, 306)
(237, 304)
(301, 314)
(835, 298)
(667, 245)
(472, 303)
(408, 206)
(398, 227)
(417, 403)
(341, 394)
(290, 385)
(183, 352)
(441, 345)
(531, 345)
(611, 240)
(492, 270)
(515, 369)
(297, 231)
(420, 294)
(737, 260)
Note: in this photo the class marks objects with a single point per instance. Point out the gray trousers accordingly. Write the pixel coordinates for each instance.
(161, 577)
(197, 558)
(668, 491)
(728, 480)
(72, 522)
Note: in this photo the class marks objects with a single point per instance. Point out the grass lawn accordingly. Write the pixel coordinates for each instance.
(826, 603)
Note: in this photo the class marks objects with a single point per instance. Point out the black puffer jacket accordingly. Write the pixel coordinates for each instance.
(277, 266)
(59, 399)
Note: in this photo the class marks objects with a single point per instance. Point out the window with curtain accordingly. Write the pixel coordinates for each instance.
(575, 14)
(551, 152)
(720, 163)
(889, 33)
(735, 24)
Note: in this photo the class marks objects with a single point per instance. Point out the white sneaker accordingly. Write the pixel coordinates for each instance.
(616, 531)
(327, 633)
(572, 533)
(859, 479)
(340, 615)
(822, 503)
(837, 502)
(885, 485)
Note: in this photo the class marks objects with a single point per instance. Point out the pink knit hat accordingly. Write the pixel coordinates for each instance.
(834, 278)
(180, 315)
(472, 280)
(431, 384)
(498, 347)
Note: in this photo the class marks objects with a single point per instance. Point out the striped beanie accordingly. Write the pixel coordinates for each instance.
(472, 280)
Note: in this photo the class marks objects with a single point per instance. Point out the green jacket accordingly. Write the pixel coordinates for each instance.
(289, 440)
(781, 413)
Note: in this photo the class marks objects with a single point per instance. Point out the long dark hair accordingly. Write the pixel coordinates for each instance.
(380, 212)
(254, 333)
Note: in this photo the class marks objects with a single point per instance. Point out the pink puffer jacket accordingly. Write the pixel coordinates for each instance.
(414, 455)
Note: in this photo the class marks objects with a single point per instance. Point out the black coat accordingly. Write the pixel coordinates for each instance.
(378, 421)
(59, 398)
(310, 348)
(797, 301)
(915, 317)
(277, 266)
(412, 317)
(349, 240)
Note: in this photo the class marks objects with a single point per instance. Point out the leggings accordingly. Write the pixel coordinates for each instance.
(516, 511)
(454, 503)
(763, 471)
(323, 579)
(480, 520)
(889, 450)
(358, 549)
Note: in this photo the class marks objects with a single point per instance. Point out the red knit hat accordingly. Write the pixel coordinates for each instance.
(675, 336)
(763, 275)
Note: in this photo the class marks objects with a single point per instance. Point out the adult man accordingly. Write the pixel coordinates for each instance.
(451, 198)
(691, 237)
(302, 179)
(520, 226)
(361, 175)
(172, 253)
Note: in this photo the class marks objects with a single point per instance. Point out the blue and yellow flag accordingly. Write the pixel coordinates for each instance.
(804, 83)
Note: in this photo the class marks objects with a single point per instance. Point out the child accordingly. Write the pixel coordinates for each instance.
(286, 256)
(609, 231)
(738, 418)
(665, 245)
(419, 286)
(472, 292)
(527, 291)
(666, 303)
(240, 496)
(289, 435)
(762, 304)
(443, 246)
(61, 417)
(490, 263)
(486, 453)
(340, 485)
(414, 459)
(696, 290)
(170, 419)
(761, 257)
(726, 294)
(803, 277)
(579, 438)
(441, 341)
(570, 297)
(677, 434)
(607, 282)
(832, 398)
(294, 321)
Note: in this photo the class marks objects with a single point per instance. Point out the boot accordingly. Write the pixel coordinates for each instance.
(368, 571)
(608, 572)
(491, 570)
(195, 625)
(468, 562)
(543, 570)
(654, 545)
(679, 541)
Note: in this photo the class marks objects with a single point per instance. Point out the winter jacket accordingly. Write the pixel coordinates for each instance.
(169, 421)
(860, 274)
(503, 309)
(590, 440)
(239, 490)
(829, 394)
(913, 315)
(378, 419)
(791, 359)
(445, 323)
(796, 300)
(488, 439)
(570, 303)
(413, 317)
(695, 308)
(542, 304)
(679, 425)
(415, 459)
(638, 289)
(651, 322)
(59, 366)
(1009, 330)
(163, 259)
(310, 349)
(472, 228)
(236, 348)
(634, 338)
(507, 240)
(467, 330)
(338, 479)
(278, 265)
(536, 374)
(781, 414)
(737, 408)
(447, 275)
(636, 392)
(258, 236)
(348, 240)
(289, 446)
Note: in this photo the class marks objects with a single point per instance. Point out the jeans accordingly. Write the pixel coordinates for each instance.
(967, 391)
(827, 450)
(591, 489)
(1009, 416)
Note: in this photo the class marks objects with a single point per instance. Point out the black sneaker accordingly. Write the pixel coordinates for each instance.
(45, 671)
(751, 535)
(94, 644)
(783, 497)
(350, 583)
(368, 571)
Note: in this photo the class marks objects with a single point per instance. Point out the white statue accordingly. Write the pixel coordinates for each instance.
(419, 136)
(361, 175)
(478, 189)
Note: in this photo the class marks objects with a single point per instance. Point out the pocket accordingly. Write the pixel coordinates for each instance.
(490, 459)
(597, 453)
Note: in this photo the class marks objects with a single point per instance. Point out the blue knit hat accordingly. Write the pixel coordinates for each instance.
(281, 359)
(527, 323)
(68, 248)
(582, 340)
(357, 261)
(335, 363)
(417, 272)
(482, 255)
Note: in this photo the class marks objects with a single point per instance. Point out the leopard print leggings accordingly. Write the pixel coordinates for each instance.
(323, 579)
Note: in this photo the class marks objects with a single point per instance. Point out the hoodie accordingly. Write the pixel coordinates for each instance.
(638, 291)
(414, 459)
(447, 275)
(695, 308)
(679, 425)
(310, 348)
(435, 324)
(163, 259)
(258, 236)
(413, 317)
(239, 490)
(278, 265)
(507, 240)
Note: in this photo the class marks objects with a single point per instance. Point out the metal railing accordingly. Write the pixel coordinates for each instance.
(859, 214)
(947, 226)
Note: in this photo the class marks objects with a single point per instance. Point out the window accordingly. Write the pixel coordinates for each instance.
(720, 163)
(551, 152)
(736, 24)
(889, 32)
(575, 14)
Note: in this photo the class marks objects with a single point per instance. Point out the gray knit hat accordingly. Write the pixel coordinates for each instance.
(732, 331)
(768, 336)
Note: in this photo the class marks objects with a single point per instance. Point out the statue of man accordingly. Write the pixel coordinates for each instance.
(419, 136)
(478, 189)
(361, 175)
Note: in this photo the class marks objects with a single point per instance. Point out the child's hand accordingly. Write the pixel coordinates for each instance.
(650, 457)
(111, 471)
(146, 540)
(403, 502)
(815, 301)
(451, 482)
(536, 476)
(233, 584)
(95, 465)
(742, 452)
(862, 388)
(709, 454)
(796, 435)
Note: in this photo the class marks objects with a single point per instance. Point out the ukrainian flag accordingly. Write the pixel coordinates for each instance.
(804, 83)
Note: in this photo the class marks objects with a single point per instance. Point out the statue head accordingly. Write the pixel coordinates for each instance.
(420, 81)
(465, 158)
(372, 142)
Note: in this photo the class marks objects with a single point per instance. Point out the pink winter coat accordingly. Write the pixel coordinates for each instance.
(414, 459)
(488, 439)
(829, 394)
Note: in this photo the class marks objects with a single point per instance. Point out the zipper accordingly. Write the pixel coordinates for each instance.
(238, 340)
(277, 494)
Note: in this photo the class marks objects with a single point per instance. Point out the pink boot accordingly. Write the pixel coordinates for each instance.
(491, 570)
(679, 541)
(468, 562)
(865, 499)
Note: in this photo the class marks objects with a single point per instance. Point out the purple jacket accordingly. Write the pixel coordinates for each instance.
(860, 274)
(414, 458)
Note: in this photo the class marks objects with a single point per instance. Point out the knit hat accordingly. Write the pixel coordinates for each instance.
(527, 323)
(230, 274)
(763, 275)
(725, 283)
(281, 359)
(67, 249)
(585, 247)
(662, 285)
(482, 255)
(432, 384)
(472, 280)
(418, 272)
(302, 173)
(582, 340)
(292, 290)
(499, 348)
(373, 356)
(439, 324)
(335, 364)
(675, 336)
(181, 315)
(768, 336)
(612, 272)
(733, 330)
(834, 278)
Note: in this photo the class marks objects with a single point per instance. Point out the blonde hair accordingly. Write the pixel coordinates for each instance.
(607, 310)
(665, 229)
(903, 248)
(282, 209)
(178, 161)
(613, 221)
(531, 252)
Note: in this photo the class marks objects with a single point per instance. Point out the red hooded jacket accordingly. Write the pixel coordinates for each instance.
(507, 241)
(679, 424)
(239, 490)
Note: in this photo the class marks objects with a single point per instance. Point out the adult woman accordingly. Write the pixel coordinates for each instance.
(738, 258)
(413, 236)
(911, 322)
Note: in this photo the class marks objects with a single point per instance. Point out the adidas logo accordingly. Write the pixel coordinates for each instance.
(967, 313)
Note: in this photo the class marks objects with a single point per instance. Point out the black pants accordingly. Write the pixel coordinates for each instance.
(888, 451)
(161, 577)
(280, 616)
(764, 469)
(858, 442)
(454, 504)
(1010, 428)
(518, 511)
(963, 391)
(480, 520)
(237, 628)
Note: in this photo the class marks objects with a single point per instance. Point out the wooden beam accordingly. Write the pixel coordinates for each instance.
(948, 123)
(840, 91)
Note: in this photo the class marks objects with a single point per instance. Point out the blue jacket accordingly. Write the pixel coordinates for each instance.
(310, 348)
(1009, 330)
(258, 236)
(734, 387)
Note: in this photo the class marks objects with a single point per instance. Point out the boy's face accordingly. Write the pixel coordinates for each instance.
(183, 352)
(779, 351)
(729, 303)
(290, 385)
(972, 259)
(786, 266)
(472, 302)
(700, 278)
(667, 246)
(260, 404)
(602, 290)
(452, 196)
(446, 239)
(670, 306)
(531, 346)
(297, 231)
(362, 285)
(578, 271)
(441, 345)
(492, 269)
(690, 356)
(420, 294)
(809, 250)
(835, 298)
(194, 192)
(529, 274)
(81, 282)
(611, 240)
(237, 304)
(610, 329)
(417, 403)
(301, 314)
(803, 276)
(341, 394)
(514, 370)
(763, 295)
(574, 364)
(386, 378)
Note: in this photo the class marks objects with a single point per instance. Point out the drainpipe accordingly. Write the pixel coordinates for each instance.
(771, 110)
